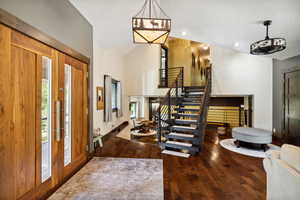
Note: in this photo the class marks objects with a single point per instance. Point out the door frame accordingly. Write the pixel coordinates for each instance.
(283, 90)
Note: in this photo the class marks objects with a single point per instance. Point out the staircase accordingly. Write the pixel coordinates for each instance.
(181, 117)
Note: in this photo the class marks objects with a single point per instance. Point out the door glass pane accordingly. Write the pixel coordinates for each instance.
(67, 117)
(46, 118)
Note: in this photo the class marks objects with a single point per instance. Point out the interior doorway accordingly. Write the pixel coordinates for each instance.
(292, 107)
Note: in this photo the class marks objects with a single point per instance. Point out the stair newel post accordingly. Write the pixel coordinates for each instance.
(182, 79)
(176, 88)
(159, 125)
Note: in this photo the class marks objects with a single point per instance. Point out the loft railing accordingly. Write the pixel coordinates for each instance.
(204, 106)
(168, 75)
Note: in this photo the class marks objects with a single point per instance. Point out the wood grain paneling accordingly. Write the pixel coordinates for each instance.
(20, 40)
(6, 125)
(77, 112)
(20, 116)
(24, 63)
(78, 115)
(21, 26)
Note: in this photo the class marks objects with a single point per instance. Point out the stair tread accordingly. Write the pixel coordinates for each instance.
(185, 127)
(195, 86)
(176, 153)
(191, 103)
(179, 143)
(184, 114)
(181, 135)
(189, 94)
(188, 109)
(186, 120)
(194, 92)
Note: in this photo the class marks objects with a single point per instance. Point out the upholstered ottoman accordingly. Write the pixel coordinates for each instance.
(252, 136)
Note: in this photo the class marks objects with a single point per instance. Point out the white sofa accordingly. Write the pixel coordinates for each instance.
(283, 173)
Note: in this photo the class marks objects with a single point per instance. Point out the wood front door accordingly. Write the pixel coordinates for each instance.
(73, 97)
(292, 107)
(37, 83)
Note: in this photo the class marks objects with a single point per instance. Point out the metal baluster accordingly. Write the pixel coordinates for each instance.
(169, 105)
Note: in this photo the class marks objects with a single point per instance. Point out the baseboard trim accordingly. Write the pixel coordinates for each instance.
(115, 131)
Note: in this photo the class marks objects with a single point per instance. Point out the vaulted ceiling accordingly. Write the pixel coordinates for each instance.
(216, 22)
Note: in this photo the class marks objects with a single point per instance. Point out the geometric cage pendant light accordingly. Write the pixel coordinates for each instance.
(151, 25)
(268, 45)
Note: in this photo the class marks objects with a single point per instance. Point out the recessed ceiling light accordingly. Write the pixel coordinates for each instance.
(236, 44)
(205, 47)
(183, 33)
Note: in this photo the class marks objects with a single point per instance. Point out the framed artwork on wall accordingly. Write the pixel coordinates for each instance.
(100, 98)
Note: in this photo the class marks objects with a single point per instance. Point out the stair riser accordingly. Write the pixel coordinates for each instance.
(193, 87)
(185, 130)
(190, 104)
(196, 140)
(192, 100)
(187, 110)
(190, 149)
(188, 95)
(184, 122)
(194, 90)
(186, 116)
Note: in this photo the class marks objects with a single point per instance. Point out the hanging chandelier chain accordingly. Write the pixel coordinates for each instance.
(153, 8)
(150, 5)
(142, 10)
(161, 10)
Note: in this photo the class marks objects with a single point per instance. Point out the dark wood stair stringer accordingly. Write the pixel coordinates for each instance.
(182, 117)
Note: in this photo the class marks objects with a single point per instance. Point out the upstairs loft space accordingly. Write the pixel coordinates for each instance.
(189, 56)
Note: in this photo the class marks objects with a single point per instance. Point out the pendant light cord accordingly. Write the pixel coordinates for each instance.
(267, 32)
(150, 5)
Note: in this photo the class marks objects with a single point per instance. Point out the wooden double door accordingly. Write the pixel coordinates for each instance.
(43, 116)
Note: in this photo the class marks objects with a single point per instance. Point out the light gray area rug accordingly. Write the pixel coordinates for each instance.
(229, 145)
(115, 179)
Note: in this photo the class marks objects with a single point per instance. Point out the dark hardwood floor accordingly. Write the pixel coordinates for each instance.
(215, 173)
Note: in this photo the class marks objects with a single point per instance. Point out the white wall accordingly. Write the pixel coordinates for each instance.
(107, 62)
(141, 74)
(58, 19)
(234, 73)
(237, 73)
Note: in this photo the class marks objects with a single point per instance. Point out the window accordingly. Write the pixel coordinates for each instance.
(68, 116)
(163, 57)
(114, 95)
(46, 119)
(133, 110)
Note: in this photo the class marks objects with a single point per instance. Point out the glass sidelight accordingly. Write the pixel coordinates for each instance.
(67, 115)
(46, 118)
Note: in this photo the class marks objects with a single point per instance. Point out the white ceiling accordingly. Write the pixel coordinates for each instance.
(216, 22)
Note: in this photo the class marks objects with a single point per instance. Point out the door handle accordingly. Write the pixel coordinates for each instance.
(57, 121)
